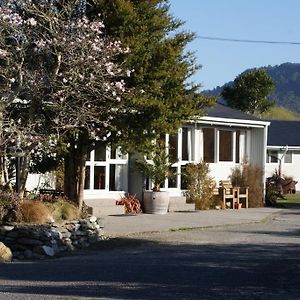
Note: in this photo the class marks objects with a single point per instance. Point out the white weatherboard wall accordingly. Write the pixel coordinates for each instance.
(221, 171)
(257, 148)
(287, 169)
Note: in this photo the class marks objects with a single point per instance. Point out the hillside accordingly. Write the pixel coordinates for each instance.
(287, 85)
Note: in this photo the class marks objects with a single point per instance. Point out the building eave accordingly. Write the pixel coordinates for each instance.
(282, 147)
(232, 122)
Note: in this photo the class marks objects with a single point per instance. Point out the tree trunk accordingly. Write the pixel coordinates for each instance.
(4, 181)
(23, 175)
(75, 169)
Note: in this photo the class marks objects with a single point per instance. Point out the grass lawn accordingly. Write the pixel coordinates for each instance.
(290, 200)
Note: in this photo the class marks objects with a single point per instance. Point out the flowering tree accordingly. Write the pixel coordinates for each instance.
(58, 75)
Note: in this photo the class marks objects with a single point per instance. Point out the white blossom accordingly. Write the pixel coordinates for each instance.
(31, 22)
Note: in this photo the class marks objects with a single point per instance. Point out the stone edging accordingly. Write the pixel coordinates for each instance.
(28, 241)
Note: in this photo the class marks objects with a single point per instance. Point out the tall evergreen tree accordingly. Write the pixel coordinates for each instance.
(161, 68)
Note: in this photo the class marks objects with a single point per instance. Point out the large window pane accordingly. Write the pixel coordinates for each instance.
(185, 145)
(117, 177)
(116, 153)
(273, 156)
(183, 185)
(173, 147)
(100, 151)
(288, 157)
(208, 145)
(225, 145)
(172, 181)
(237, 146)
(87, 178)
(99, 178)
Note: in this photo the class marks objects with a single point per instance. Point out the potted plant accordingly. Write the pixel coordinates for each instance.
(157, 168)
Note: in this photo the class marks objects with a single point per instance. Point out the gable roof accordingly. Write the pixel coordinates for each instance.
(283, 133)
(223, 111)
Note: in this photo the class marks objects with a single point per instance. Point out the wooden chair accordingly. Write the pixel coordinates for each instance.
(232, 196)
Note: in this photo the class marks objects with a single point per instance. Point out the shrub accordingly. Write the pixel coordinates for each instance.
(237, 178)
(62, 209)
(131, 203)
(272, 193)
(249, 176)
(9, 207)
(33, 211)
(276, 186)
(199, 185)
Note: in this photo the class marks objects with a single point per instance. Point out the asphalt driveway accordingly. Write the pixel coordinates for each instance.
(259, 260)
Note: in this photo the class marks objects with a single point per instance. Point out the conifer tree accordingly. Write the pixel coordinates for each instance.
(161, 68)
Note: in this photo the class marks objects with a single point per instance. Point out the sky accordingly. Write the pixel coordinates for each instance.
(260, 20)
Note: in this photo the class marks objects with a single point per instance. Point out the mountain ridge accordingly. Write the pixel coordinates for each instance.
(286, 78)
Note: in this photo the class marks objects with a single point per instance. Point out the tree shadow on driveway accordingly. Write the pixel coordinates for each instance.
(132, 268)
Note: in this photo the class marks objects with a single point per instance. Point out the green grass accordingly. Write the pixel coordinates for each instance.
(280, 113)
(290, 200)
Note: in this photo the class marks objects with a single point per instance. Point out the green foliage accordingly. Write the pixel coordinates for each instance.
(249, 92)
(287, 79)
(237, 178)
(9, 207)
(61, 209)
(272, 194)
(162, 68)
(289, 200)
(199, 185)
(157, 167)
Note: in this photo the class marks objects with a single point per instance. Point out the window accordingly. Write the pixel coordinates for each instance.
(106, 168)
(209, 145)
(117, 175)
(288, 158)
(225, 145)
(116, 153)
(185, 144)
(87, 178)
(173, 147)
(237, 146)
(183, 185)
(172, 181)
(100, 151)
(272, 156)
(99, 178)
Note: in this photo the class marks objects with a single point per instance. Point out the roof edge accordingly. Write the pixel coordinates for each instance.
(235, 121)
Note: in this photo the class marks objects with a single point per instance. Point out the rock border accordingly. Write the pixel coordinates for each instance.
(27, 241)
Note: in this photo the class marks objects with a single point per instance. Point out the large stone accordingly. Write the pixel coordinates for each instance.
(5, 253)
(56, 234)
(6, 228)
(48, 251)
(31, 242)
(93, 219)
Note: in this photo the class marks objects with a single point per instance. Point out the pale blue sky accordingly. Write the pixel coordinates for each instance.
(268, 20)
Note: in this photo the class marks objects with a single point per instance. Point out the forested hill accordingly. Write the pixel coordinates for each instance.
(287, 85)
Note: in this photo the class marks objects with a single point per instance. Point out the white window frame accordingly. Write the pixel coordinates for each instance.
(242, 146)
(92, 163)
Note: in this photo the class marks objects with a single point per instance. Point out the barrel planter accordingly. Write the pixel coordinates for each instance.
(156, 202)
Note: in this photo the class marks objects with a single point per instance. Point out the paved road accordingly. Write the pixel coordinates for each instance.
(250, 261)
